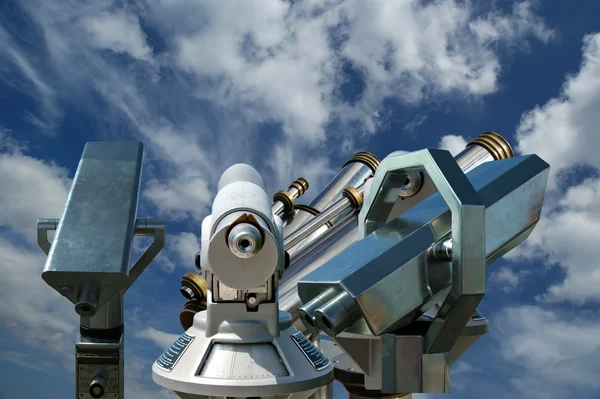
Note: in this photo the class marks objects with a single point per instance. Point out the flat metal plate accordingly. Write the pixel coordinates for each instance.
(171, 356)
(94, 237)
(314, 356)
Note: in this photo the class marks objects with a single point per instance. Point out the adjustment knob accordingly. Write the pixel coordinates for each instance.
(98, 387)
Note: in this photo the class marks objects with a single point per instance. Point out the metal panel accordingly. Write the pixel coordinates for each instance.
(92, 248)
(371, 270)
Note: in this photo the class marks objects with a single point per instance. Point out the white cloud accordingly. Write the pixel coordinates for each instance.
(280, 63)
(522, 22)
(119, 32)
(36, 189)
(566, 236)
(564, 130)
(454, 144)
(31, 310)
(180, 198)
(564, 133)
(413, 125)
(218, 71)
(555, 354)
(30, 81)
(162, 339)
(508, 279)
(181, 251)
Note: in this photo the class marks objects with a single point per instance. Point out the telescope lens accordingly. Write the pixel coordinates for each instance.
(244, 240)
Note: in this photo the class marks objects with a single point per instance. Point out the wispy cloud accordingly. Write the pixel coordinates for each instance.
(211, 81)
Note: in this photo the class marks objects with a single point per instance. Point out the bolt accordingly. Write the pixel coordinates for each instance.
(66, 290)
(252, 300)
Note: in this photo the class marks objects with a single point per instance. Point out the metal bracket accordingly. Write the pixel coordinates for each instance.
(468, 234)
(143, 228)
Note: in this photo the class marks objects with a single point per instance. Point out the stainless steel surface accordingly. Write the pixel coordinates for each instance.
(86, 304)
(364, 354)
(389, 365)
(43, 227)
(442, 250)
(375, 289)
(467, 160)
(341, 237)
(331, 212)
(473, 156)
(337, 314)
(386, 270)
(412, 184)
(243, 361)
(108, 316)
(401, 369)
(308, 311)
(278, 208)
(284, 201)
(332, 241)
(94, 236)
(310, 244)
(143, 228)
(99, 358)
(244, 240)
(353, 174)
(436, 372)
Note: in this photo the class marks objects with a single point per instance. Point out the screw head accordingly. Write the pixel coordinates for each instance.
(66, 290)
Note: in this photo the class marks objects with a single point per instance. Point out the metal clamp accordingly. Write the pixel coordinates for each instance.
(468, 234)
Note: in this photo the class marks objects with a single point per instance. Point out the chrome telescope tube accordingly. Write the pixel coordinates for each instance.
(352, 198)
(283, 201)
(488, 146)
(355, 171)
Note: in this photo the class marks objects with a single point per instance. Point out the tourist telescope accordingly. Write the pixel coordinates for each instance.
(375, 283)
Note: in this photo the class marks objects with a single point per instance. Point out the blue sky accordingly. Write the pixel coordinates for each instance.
(295, 89)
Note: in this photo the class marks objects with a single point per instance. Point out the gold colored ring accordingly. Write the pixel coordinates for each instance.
(352, 194)
(371, 160)
(286, 199)
(301, 184)
(196, 283)
(495, 144)
(502, 143)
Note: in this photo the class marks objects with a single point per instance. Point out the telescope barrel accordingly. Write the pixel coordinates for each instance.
(489, 146)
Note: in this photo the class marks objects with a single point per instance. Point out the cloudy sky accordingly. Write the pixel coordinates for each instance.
(294, 88)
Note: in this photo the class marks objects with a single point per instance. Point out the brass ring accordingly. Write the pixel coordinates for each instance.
(352, 194)
(286, 199)
(196, 283)
(371, 160)
(301, 185)
(502, 142)
(495, 144)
